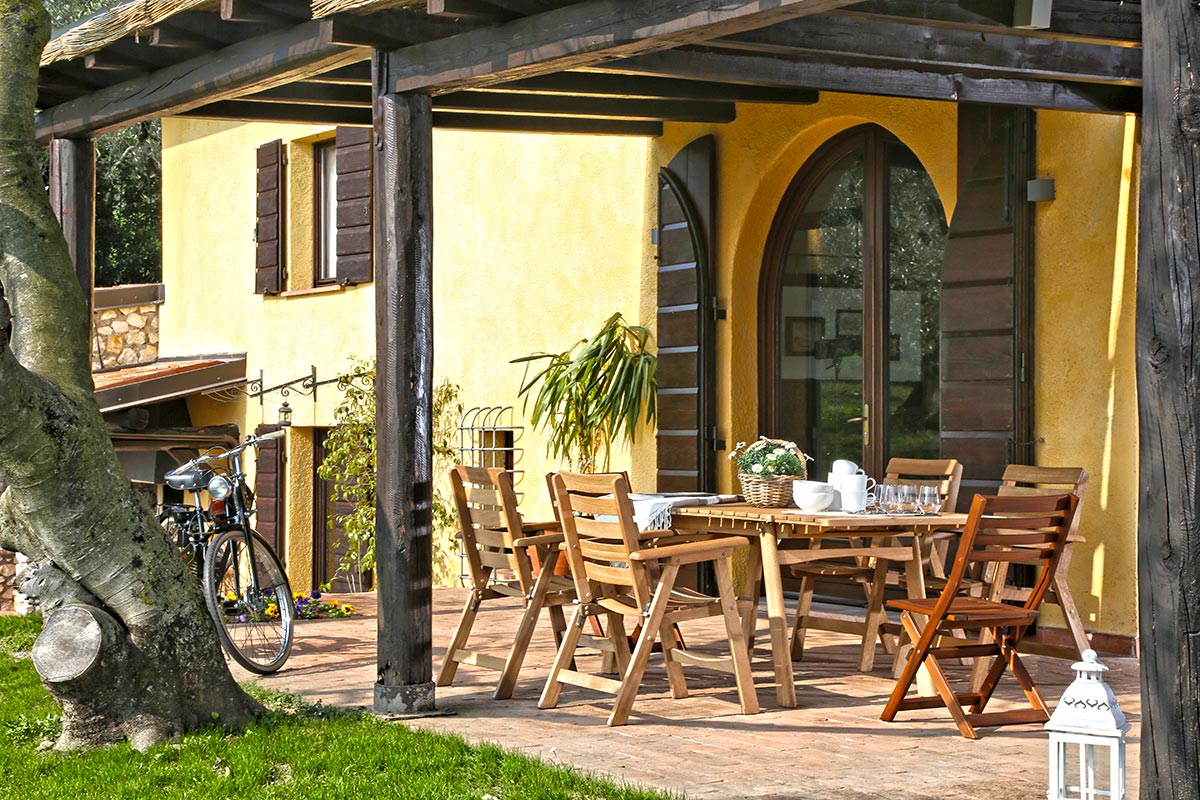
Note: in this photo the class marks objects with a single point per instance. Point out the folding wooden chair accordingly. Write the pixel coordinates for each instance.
(496, 542)
(872, 574)
(1023, 480)
(1005, 530)
(622, 573)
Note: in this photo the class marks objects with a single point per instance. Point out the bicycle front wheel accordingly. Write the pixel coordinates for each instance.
(255, 626)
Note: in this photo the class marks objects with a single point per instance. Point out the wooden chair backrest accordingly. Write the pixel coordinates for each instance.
(1027, 529)
(489, 523)
(554, 500)
(597, 523)
(1024, 480)
(944, 473)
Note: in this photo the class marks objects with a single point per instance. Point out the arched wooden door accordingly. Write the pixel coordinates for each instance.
(850, 305)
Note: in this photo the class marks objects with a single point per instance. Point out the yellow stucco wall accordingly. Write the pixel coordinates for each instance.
(538, 240)
(1085, 406)
(1085, 260)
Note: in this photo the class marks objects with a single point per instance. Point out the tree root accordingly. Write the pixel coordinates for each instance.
(90, 666)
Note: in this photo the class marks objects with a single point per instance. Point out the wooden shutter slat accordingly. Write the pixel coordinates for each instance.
(269, 268)
(268, 490)
(686, 399)
(354, 208)
(984, 402)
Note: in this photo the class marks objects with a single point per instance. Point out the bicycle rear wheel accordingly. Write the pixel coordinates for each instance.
(255, 627)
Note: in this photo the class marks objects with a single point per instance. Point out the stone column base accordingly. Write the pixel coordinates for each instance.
(413, 700)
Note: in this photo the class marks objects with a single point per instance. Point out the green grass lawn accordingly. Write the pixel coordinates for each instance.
(298, 751)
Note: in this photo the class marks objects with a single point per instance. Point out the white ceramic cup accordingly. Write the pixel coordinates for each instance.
(856, 483)
(844, 467)
(854, 501)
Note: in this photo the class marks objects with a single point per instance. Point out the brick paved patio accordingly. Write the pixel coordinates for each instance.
(833, 746)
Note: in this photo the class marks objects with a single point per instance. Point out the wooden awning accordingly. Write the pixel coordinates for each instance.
(166, 380)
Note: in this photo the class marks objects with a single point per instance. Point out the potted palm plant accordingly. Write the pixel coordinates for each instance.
(594, 394)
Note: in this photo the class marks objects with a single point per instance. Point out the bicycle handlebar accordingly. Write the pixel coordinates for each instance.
(207, 459)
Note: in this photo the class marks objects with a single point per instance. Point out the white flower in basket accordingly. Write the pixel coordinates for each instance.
(767, 468)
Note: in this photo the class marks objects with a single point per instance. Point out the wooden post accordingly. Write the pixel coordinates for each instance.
(404, 396)
(73, 198)
(1168, 371)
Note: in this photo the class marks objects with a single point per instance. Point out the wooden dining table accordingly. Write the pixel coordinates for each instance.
(897, 538)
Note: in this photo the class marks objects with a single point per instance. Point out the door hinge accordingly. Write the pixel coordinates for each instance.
(1021, 368)
(715, 442)
(718, 313)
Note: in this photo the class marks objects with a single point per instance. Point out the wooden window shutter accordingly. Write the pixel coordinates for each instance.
(269, 490)
(269, 259)
(686, 321)
(354, 244)
(986, 386)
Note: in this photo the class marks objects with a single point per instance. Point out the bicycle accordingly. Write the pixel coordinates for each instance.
(245, 588)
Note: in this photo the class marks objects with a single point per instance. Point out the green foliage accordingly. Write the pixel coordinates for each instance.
(128, 185)
(295, 750)
(593, 394)
(17, 634)
(769, 457)
(350, 468)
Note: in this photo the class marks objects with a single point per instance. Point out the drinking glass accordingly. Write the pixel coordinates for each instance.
(929, 500)
(906, 498)
(889, 498)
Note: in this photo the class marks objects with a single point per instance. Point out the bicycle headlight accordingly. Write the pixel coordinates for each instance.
(219, 487)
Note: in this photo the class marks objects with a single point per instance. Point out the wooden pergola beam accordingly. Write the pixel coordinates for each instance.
(403, 180)
(895, 45)
(730, 67)
(579, 35)
(479, 10)
(516, 123)
(595, 84)
(73, 198)
(300, 113)
(605, 107)
(277, 58)
(1168, 386)
(1098, 21)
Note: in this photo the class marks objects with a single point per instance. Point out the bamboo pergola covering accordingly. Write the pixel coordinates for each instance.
(135, 16)
(323, 8)
(105, 27)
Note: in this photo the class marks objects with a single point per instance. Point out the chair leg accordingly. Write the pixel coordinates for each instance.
(908, 673)
(620, 642)
(949, 697)
(738, 651)
(675, 677)
(529, 620)
(1032, 693)
(632, 679)
(461, 633)
(1066, 601)
(875, 617)
(803, 607)
(566, 654)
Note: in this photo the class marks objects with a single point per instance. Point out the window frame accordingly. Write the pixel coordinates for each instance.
(323, 151)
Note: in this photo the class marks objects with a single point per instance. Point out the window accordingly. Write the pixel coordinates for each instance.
(325, 217)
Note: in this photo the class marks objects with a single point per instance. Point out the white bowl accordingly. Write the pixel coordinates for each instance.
(814, 502)
(811, 487)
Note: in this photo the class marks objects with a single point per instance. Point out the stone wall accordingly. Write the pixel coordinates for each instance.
(125, 336)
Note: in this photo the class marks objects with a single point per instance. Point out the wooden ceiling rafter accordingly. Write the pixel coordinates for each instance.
(599, 84)
(700, 63)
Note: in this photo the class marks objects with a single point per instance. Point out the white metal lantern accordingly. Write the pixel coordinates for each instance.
(1087, 738)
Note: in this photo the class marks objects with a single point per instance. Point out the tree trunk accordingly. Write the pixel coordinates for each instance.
(1168, 366)
(109, 577)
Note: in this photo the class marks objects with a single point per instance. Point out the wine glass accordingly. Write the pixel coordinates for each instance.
(929, 500)
(889, 498)
(906, 498)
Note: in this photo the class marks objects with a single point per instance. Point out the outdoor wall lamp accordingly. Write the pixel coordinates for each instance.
(285, 415)
(1087, 738)
(1033, 14)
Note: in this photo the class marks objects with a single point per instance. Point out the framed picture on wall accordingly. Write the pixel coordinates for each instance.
(849, 322)
(801, 335)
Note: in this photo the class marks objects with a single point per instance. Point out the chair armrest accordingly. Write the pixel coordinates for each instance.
(534, 541)
(657, 534)
(530, 527)
(690, 552)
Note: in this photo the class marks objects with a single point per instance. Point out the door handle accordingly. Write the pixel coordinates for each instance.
(865, 419)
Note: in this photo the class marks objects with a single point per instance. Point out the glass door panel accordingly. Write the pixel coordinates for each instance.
(819, 336)
(915, 246)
